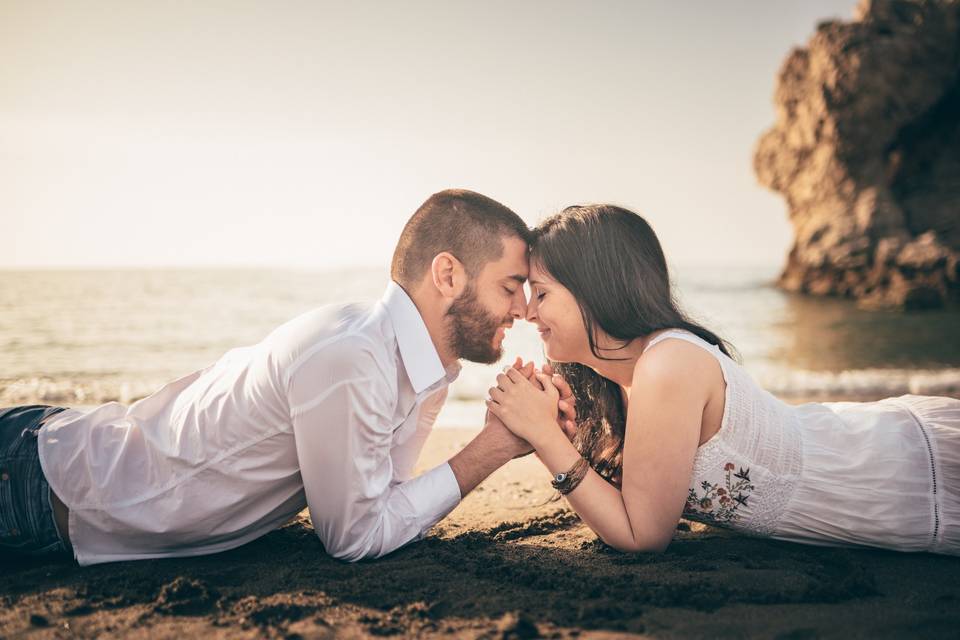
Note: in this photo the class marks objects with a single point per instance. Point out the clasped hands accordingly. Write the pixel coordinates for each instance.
(533, 404)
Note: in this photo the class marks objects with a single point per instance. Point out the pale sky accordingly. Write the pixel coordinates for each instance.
(304, 134)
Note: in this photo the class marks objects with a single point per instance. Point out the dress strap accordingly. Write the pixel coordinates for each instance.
(686, 336)
(669, 333)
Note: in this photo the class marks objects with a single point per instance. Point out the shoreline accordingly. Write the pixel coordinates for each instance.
(457, 413)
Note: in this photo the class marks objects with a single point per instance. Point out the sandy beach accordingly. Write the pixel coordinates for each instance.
(507, 563)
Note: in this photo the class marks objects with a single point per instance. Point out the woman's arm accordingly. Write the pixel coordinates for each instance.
(669, 390)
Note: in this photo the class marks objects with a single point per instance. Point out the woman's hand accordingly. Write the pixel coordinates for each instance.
(494, 423)
(528, 408)
(567, 403)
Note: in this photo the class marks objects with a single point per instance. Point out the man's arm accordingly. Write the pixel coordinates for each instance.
(405, 455)
(491, 449)
(342, 411)
(344, 435)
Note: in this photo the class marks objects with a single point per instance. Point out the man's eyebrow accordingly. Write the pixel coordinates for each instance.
(518, 278)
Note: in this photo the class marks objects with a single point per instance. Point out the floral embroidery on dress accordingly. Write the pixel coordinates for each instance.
(719, 502)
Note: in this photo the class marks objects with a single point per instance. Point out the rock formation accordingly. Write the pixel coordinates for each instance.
(866, 151)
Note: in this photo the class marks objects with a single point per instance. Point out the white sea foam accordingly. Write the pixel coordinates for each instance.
(864, 383)
(66, 392)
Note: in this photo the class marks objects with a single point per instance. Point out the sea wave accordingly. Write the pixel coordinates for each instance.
(794, 384)
(790, 385)
(862, 383)
(71, 392)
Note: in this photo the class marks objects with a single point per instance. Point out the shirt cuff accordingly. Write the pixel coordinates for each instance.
(433, 495)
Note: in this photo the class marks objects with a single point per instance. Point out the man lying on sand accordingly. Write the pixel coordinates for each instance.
(330, 411)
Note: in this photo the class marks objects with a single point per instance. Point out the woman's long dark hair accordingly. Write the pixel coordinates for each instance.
(611, 261)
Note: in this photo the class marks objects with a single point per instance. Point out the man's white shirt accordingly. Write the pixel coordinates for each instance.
(329, 411)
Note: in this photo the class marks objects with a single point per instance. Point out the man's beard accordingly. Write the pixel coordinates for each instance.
(473, 328)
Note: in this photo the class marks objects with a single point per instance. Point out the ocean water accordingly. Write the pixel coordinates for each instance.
(88, 337)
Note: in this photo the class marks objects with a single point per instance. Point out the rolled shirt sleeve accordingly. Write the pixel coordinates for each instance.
(342, 410)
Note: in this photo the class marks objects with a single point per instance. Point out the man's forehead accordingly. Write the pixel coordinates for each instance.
(520, 273)
(513, 263)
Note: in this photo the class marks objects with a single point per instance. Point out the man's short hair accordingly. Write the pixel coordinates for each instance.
(464, 223)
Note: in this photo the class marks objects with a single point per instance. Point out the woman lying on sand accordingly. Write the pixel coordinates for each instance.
(670, 425)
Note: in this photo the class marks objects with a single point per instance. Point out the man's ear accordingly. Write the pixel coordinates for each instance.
(448, 274)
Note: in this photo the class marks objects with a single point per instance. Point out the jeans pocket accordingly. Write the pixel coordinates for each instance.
(53, 547)
(12, 533)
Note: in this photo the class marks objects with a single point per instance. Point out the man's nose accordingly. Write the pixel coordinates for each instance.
(531, 310)
(519, 305)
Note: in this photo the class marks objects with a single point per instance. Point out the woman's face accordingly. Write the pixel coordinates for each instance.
(555, 312)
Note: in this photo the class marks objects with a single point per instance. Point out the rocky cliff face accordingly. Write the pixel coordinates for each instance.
(866, 151)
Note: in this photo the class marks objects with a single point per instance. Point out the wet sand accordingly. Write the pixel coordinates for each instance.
(507, 563)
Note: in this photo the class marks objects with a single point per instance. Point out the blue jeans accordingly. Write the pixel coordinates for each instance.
(27, 523)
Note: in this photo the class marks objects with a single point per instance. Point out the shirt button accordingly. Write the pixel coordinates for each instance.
(14, 532)
(4, 476)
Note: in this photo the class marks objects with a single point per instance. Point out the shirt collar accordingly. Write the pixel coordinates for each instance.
(419, 355)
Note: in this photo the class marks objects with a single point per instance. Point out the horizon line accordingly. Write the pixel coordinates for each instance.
(318, 268)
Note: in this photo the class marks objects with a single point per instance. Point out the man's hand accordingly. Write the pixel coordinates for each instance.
(504, 438)
(493, 447)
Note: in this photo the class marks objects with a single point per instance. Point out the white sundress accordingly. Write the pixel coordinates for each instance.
(879, 474)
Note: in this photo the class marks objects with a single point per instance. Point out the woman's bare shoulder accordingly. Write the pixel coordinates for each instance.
(676, 362)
